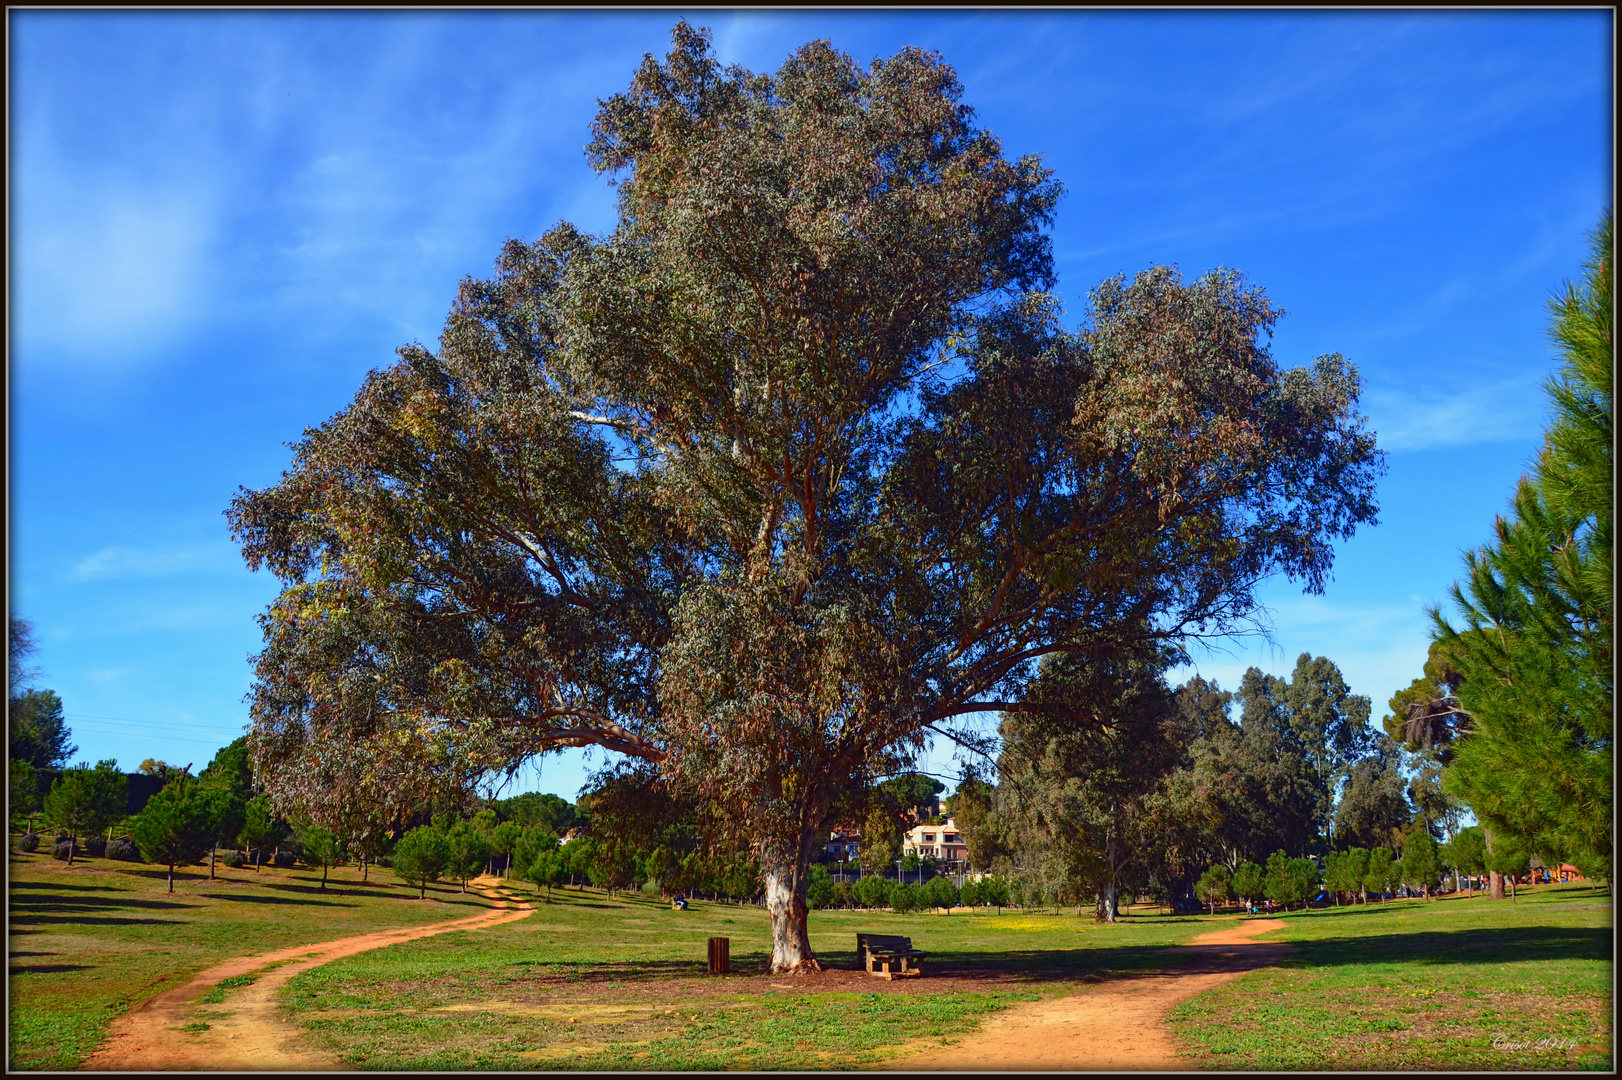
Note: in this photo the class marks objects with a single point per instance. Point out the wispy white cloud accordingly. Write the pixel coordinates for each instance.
(123, 563)
(1420, 418)
(106, 272)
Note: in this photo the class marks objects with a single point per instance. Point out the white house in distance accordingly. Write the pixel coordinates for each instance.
(943, 843)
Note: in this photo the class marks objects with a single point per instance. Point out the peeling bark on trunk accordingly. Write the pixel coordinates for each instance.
(785, 875)
(1107, 901)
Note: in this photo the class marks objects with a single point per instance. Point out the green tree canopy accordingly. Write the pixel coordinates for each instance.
(1249, 881)
(422, 856)
(1320, 719)
(232, 769)
(1534, 646)
(538, 808)
(84, 801)
(23, 789)
(1077, 790)
(322, 848)
(1467, 851)
(1383, 873)
(173, 827)
(699, 490)
(469, 850)
(1214, 885)
(260, 827)
(39, 734)
(1421, 860)
(1374, 810)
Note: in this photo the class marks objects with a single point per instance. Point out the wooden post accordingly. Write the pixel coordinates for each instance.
(720, 961)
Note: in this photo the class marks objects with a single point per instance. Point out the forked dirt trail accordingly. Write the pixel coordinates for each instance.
(1116, 1025)
(244, 1032)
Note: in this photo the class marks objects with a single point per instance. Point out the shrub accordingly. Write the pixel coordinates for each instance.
(1304, 880)
(62, 850)
(1214, 885)
(236, 860)
(844, 894)
(873, 892)
(28, 842)
(994, 891)
(939, 892)
(385, 861)
(123, 850)
(819, 891)
(284, 858)
(95, 846)
(421, 857)
(1248, 882)
(907, 897)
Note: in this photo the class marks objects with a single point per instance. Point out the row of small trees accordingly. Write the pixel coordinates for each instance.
(1358, 873)
(877, 892)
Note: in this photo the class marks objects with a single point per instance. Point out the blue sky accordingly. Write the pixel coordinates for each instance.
(221, 221)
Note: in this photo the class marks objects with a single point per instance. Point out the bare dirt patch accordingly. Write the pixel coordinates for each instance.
(176, 1031)
(1119, 1024)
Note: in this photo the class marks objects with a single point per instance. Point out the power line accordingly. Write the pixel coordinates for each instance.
(148, 724)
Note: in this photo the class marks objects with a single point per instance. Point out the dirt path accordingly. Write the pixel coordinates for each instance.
(245, 1032)
(1117, 1025)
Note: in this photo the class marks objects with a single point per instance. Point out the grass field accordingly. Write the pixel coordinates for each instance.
(92, 940)
(591, 982)
(1427, 984)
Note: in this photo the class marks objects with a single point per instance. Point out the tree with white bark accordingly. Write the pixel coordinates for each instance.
(792, 469)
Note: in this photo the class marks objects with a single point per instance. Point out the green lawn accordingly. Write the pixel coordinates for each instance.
(90, 941)
(590, 982)
(1427, 984)
(593, 983)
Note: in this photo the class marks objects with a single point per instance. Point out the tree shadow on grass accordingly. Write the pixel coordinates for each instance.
(374, 892)
(1467, 946)
(80, 920)
(1486, 945)
(60, 886)
(301, 901)
(91, 903)
(46, 969)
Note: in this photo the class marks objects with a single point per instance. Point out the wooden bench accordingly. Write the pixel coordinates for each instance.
(890, 956)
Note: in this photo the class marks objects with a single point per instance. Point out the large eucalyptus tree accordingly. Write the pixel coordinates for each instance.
(794, 466)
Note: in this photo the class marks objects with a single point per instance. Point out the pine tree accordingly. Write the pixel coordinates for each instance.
(1535, 650)
(174, 826)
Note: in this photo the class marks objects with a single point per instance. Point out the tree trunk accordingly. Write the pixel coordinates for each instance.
(256, 853)
(211, 850)
(1495, 884)
(1110, 908)
(323, 875)
(786, 872)
(73, 842)
(171, 877)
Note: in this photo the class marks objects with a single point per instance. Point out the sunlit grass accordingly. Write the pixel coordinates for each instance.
(91, 941)
(1422, 984)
